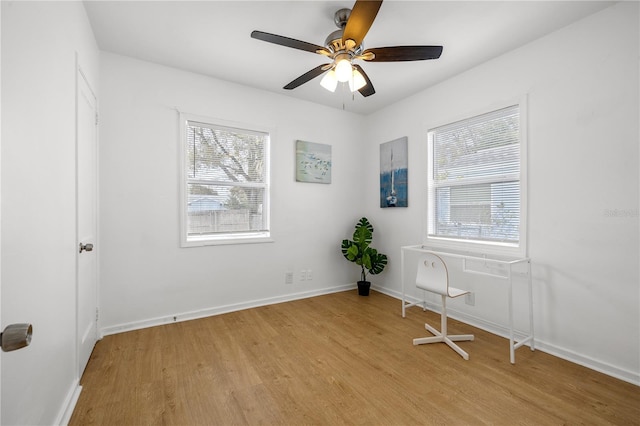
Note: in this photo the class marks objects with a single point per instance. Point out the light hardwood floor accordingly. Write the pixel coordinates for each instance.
(336, 359)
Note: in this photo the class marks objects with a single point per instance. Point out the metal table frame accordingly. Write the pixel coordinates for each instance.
(503, 263)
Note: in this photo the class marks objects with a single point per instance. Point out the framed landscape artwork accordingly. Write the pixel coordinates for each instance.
(393, 173)
(313, 162)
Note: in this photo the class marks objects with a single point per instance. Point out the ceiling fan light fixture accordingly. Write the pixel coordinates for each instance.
(329, 81)
(345, 45)
(357, 81)
(343, 70)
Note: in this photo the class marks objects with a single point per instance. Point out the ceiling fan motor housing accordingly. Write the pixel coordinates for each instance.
(345, 45)
(334, 40)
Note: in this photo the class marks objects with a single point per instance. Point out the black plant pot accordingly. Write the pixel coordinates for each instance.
(363, 288)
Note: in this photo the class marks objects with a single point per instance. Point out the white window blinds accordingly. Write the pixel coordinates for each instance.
(474, 178)
(226, 181)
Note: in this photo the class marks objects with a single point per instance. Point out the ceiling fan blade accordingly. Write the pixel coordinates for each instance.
(366, 90)
(309, 75)
(402, 53)
(290, 42)
(360, 20)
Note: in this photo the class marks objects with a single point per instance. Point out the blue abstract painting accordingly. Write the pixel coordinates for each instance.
(394, 162)
(313, 162)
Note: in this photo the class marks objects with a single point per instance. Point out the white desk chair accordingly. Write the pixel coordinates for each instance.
(433, 276)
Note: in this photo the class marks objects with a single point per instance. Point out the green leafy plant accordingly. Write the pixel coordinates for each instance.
(361, 253)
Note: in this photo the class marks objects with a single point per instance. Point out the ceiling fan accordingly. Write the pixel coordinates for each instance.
(345, 45)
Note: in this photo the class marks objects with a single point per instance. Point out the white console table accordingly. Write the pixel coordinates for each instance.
(500, 267)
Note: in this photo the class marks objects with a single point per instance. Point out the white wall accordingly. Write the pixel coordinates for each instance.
(146, 278)
(39, 44)
(582, 89)
(582, 84)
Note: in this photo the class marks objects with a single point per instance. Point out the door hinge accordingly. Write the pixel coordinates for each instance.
(97, 119)
(97, 314)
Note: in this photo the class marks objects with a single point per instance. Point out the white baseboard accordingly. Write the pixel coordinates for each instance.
(217, 310)
(594, 364)
(498, 329)
(502, 331)
(69, 404)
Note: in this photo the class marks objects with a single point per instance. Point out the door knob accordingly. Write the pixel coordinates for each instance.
(86, 247)
(16, 336)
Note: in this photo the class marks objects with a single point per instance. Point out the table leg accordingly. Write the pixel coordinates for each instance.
(512, 352)
(533, 348)
(402, 281)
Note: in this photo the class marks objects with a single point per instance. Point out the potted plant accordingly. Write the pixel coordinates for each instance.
(362, 254)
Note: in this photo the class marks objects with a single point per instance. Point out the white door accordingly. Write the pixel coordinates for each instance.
(86, 186)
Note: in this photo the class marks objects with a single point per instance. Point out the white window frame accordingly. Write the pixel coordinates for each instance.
(229, 237)
(481, 246)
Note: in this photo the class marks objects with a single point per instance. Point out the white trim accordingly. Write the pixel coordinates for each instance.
(488, 247)
(69, 404)
(228, 238)
(502, 331)
(217, 310)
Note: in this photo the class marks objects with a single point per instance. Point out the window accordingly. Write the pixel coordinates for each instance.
(225, 186)
(475, 183)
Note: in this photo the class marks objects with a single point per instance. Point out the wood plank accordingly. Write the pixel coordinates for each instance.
(336, 359)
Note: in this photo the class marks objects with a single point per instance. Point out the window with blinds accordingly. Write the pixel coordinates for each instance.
(474, 184)
(226, 184)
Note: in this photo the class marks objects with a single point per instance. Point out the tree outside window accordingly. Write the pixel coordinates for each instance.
(226, 181)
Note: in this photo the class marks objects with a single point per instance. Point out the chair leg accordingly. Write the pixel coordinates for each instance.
(457, 348)
(461, 337)
(442, 336)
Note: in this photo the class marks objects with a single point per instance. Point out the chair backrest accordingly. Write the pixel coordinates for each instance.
(432, 274)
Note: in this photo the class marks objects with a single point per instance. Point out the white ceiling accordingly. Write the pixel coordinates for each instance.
(213, 38)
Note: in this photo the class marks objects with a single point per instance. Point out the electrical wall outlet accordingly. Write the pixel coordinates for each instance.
(303, 275)
(288, 277)
(309, 275)
(470, 299)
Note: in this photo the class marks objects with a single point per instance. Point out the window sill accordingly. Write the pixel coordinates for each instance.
(225, 240)
(481, 247)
